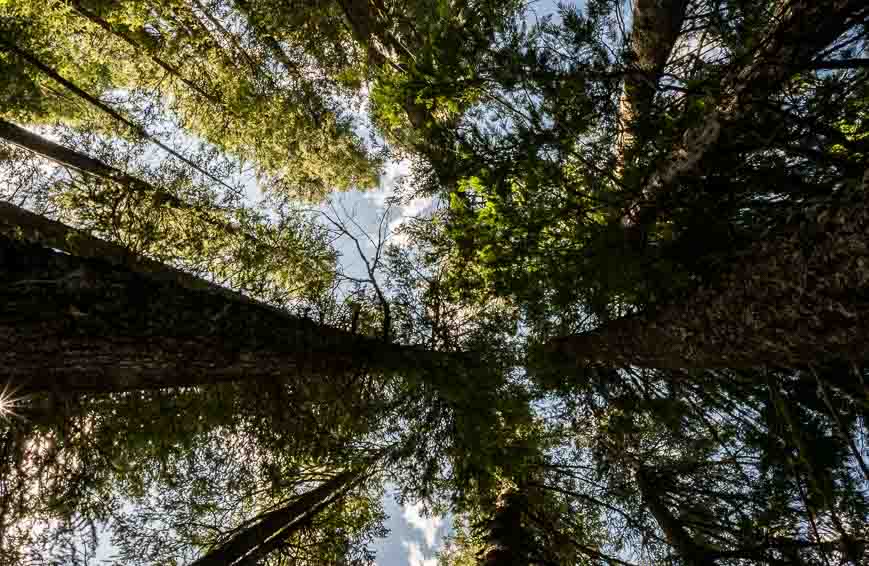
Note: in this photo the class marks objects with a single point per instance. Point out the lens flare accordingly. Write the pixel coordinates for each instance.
(8, 402)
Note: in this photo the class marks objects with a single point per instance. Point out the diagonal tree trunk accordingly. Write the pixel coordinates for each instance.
(656, 27)
(88, 165)
(168, 67)
(273, 528)
(674, 531)
(799, 297)
(802, 30)
(140, 131)
(81, 162)
(92, 319)
(261, 33)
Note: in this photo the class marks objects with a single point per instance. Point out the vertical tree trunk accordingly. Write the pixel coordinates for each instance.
(73, 323)
(507, 540)
(804, 28)
(798, 298)
(274, 527)
(656, 26)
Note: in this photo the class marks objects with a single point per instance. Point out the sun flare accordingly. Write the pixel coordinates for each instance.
(8, 402)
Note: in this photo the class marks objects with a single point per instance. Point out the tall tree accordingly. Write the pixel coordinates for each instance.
(792, 300)
(156, 331)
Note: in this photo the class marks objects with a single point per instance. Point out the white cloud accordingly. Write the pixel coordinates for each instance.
(428, 525)
(415, 557)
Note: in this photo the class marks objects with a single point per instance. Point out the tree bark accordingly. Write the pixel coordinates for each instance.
(804, 28)
(656, 27)
(796, 298)
(506, 536)
(102, 321)
(273, 528)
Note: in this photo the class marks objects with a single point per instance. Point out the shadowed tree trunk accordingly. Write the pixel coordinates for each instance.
(803, 28)
(797, 298)
(103, 321)
(674, 531)
(507, 540)
(273, 528)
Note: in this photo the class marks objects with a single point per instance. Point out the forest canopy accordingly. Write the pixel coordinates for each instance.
(629, 324)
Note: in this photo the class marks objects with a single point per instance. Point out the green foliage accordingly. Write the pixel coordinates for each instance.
(545, 225)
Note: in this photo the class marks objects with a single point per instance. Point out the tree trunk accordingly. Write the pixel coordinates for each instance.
(689, 551)
(797, 298)
(103, 107)
(172, 70)
(804, 28)
(274, 527)
(103, 321)
(263, 35)
(83, 163)
(655, 29)
(507, 540)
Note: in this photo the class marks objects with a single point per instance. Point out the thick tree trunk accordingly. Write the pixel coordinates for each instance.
(73, 323)
(655, 29)
(802, 30)
(800, 297)
(274, 527)
(506, 538)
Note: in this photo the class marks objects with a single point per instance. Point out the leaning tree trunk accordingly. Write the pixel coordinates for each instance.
(81, 162)
(137, 48)
(692, 553)
(802, 30)
(273, 528)
(94, 101)
(93, 167)
(797, 298)
(91, 318)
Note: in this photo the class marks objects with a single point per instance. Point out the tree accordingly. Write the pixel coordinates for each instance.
(749, 317)
(255, 542)
(671, 203)
(156, 327)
